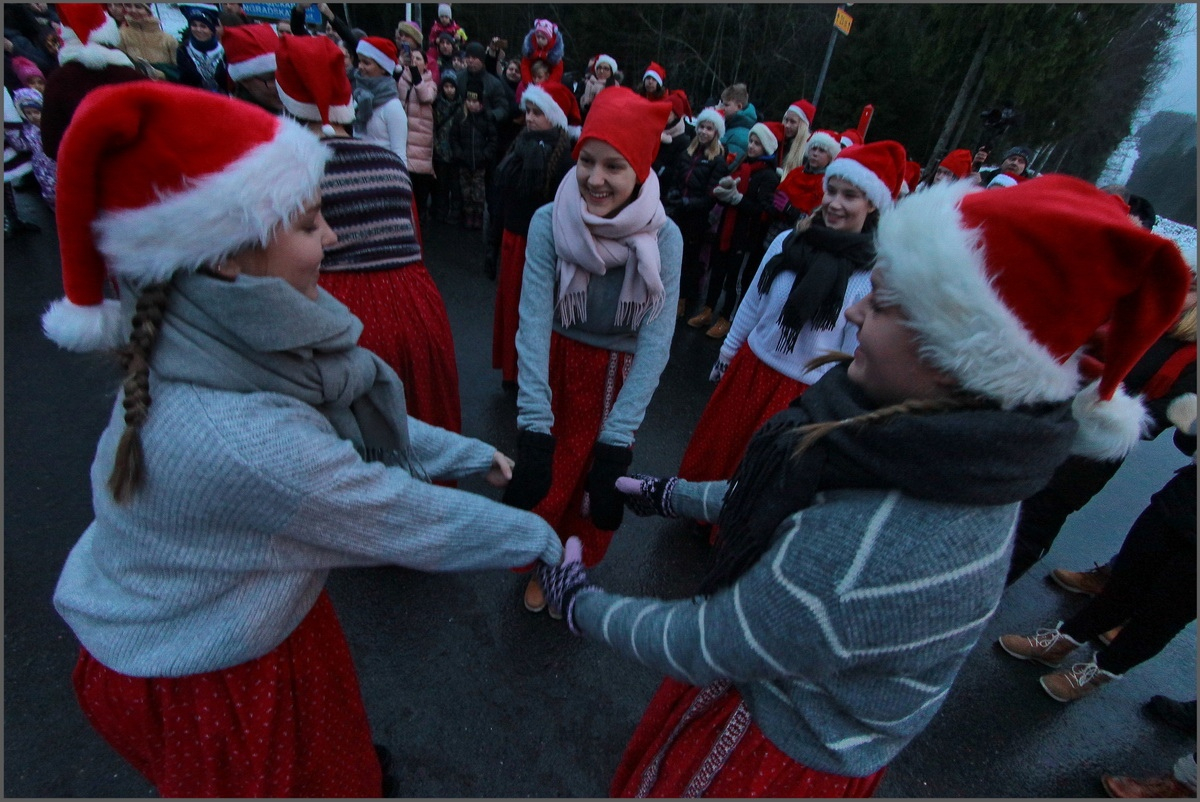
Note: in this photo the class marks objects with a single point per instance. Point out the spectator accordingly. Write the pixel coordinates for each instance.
(1014, 163)
(143, 39)
(29, 101)
(602, 75)
(495, 101)
(28, 74)
(542, 43)
(740, 117)
(409, 40)
(200, 56)
(441, 53)
(418, 91)
(654, 82)
(445, 24)
(380, 115)
(473, 138)
(18, 163)
(250, 60)
(447, 201)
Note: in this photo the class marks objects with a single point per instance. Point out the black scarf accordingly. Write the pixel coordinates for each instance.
(823, 260)
(980, 455)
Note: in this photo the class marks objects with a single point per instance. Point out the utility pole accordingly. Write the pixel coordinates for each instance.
(841, 23)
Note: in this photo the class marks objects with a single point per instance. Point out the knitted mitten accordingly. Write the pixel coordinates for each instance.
(606, 503)
(532, 473)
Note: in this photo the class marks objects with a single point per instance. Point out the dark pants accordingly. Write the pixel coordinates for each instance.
(422, 184)
(447, 193)
(1153, 584)
(693, 225)
(1043, 514)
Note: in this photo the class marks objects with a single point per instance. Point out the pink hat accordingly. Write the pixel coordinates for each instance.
(311, 80)
(546, 27)
(805, 109)
(26, 69)
(382, 51)
(250, 50)
(166, 178)
(877, 169)
(1005, 289)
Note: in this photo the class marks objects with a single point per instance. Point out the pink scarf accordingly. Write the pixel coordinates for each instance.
(588, 245)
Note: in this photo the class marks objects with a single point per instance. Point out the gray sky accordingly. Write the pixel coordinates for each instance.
(1178, 92)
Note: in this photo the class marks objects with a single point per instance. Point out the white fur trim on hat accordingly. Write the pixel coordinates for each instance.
(860, 176)
(94, 55)
(800, 112)
(655, 76)
(84, 328)
(372, 52)
(310, 113)
(825, 142)
(713, 116)
(1108, 430)
(541, 98)
(218, 214)
(769, 141)
(259, 65)
(1001, 181)
(933, 266)
(606, 59)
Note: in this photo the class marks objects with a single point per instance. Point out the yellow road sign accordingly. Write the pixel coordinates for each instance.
(842, 21)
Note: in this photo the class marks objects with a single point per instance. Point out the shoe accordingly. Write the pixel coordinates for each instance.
(681, 310)
(1046, 646)
(719, 329)
(702, 319)
(1180, 715)
(1076, 682)
(535, 600)
(1149, 788)
(1087, 582)
(1108, 637)
(554, 612)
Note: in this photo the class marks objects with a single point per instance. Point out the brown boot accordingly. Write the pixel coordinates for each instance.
(1076, 682)
(703, 319)
(681, 310)
(1149, 788)
(719, 329)
(535, 600)
(1046, 646)
(1086, 582)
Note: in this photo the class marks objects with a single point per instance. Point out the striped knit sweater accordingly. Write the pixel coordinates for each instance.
(846, 636)
(366, 197)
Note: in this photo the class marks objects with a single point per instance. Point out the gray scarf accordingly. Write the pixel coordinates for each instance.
(261, 335)
(369, 93)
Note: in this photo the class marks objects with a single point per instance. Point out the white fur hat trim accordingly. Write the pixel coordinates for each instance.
(541, 98)
(309, 111)
(825, 142)
(860, 176)
(259, 65)
(606, 59)
(94, 55)
(713, 116)
(85, 328)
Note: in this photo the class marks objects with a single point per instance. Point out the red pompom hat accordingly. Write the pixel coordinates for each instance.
(805, 109)
(90, 36)
(250, 50)
(630, 123)
(876, 168)
(958, 162)
(311, 80)
(166, 178)
(1004, 290)
(382, 51)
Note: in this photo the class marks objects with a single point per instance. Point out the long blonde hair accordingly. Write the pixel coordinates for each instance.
(799, 146)
(714, 149)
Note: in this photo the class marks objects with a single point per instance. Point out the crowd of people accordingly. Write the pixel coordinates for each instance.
(912, 369)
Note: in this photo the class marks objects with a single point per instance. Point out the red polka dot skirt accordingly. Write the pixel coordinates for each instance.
(508, 302)
(695, 742)
(288, 724)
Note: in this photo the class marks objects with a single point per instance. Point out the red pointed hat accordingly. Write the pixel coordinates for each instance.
(912, 174)
(311, 80)
(1005, 289)
(805, 109)
(630, 123)
(90, 36)
(250, 50)
(957, 162)
(876, 168)
(166, 178)
(382, 51)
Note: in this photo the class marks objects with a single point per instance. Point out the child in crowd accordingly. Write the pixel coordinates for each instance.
(542, 43)
(445, 24)
(29, 74)
(865, 534)
(474, 139)
(200, 58)
(447, 193)
(689, 203)
(29, 101)
(740, 117)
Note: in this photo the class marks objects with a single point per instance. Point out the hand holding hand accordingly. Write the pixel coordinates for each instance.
(605, 505)
(649, 495)
(561, 583)
(501, 472)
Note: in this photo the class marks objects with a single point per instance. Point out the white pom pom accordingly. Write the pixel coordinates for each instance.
(1108, 430)
(84, 328)
(328, 130)
(1182, 413)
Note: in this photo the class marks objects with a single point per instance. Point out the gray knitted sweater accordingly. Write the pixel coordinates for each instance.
(249, 500)
(650, 343)
(846, 636)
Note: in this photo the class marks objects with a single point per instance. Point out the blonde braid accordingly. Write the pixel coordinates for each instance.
(129, 465)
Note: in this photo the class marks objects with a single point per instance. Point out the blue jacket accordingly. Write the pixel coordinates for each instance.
(737, 130)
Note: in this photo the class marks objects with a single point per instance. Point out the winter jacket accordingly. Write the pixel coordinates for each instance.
(495, 99)
(691, 199)
(65, 90)
(737, 130)
(552, 54)
(418, 104)
(518, 201)
(744, 225)
(189, 73)
(673, 145)
(473, 139)
(445, 111)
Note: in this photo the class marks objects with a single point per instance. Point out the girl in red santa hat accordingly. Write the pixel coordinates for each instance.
(527, 179)
(792, 310)
(253, 447)
(379, 112)
(866, 531)
(601, 266)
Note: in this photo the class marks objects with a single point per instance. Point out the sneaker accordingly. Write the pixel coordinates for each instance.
(702, 319)
(1149, 788)
(1076, 682)
(719, 329)
(535, 600)
(1108, 637)
(1046, 646)
(1180, 715)
(1089, 583)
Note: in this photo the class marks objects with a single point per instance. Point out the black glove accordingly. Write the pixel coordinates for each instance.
(531, 475)
(605, 502)
(416, 74)
(649, 495)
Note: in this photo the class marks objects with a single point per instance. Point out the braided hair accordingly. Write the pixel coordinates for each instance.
(128, 469)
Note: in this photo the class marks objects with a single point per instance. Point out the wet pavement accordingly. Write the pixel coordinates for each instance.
(476, 697)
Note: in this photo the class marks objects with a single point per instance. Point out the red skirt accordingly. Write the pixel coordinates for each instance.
(701, 742)
(508, 302)
(748, 395)
(405, 323)
(288, 724)
(584, 383)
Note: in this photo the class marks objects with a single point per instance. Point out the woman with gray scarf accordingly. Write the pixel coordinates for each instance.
(277, 450)
(380, 117)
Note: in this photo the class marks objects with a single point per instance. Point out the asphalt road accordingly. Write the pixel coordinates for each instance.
(476, 697)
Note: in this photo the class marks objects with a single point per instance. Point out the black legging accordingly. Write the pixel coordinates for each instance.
(1153, 583)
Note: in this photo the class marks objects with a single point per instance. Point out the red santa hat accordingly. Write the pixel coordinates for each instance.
(715, 116)
(166, 178)
(849, 137)
(382, 51)
(90, 36)
(768, 137)
(311, 80)
(912, 177)
(958, 162)
(557, 102)
(630, 123)
(877, 169)
(806, 110)
(826, 141)
(604, 58)
(656, 72)
(1005, 289)
(1003, 180)
(250, 50)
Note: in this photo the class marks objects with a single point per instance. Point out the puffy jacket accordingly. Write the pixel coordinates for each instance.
(418, 103)
(737, 130)
(697, 175)
(474, 140)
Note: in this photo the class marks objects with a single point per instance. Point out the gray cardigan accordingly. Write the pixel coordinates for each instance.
(845, 637)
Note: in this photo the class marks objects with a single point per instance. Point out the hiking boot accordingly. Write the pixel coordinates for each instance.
(1180, 715)
(534, 599)
(1149, 788)
(719, 329)
(1108, 637)
(1076, 682)
(1046, 646)
(1087, 582)
(702, 319)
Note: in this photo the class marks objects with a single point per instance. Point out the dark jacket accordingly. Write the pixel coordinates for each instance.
(66, 89)
(520, 185)
(751, 224)
(473, 140)
(690, 199)
(189, 74)
(669, 161)
(495, 99)
(445, 111)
